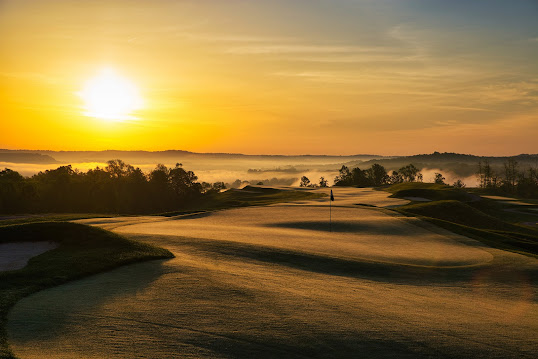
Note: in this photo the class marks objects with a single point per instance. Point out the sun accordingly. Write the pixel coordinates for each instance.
(110, 96)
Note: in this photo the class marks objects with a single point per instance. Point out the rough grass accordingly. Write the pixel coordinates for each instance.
(468, 214)
(457, 212)
(248, 196)
(49, 217)
(82, 251)
(432, 191)
(464, 219)
(259, 293)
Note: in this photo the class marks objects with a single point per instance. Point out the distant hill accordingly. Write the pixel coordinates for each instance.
(462, 165)
(179, 155)
(459, 164)
(24, 157)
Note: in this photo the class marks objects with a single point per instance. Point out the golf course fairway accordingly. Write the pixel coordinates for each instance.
(280, 281)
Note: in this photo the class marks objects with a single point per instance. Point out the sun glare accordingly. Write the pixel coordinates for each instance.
(110, 96)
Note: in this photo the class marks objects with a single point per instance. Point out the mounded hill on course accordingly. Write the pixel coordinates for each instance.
(82, 250)
(468, 214)
(431, 191)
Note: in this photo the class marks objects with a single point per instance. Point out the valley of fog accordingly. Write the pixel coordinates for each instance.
(271, 170)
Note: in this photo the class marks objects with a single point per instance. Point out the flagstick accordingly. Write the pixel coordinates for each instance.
(330, 215)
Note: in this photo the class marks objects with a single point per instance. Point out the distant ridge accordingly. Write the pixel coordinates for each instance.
(152, 156)
(455, 157)
(25, 157)
(460, 164)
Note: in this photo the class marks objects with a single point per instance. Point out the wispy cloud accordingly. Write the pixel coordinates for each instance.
(232, 38)
(31, 76)
(264, 49)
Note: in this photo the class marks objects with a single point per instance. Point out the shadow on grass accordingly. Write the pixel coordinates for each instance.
(195, 215)
(338, 226)
(32, 315)
(441, 273)
(82, 251)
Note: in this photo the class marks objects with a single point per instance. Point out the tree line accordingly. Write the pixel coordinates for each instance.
(117, 188)
(509, 179)
(376, 175)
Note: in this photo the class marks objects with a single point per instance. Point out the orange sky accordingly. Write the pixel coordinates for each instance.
(275, 77)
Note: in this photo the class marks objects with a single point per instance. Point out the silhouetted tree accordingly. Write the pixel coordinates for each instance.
(395, 178)
(13, 197)
(344, 177)
(459, 184)
(511, 175)
(118, 168)
(305, 182)
(410, 173)
(439, 179)
(378, 175)
(218, 186)
(360, 178)
(323, 182)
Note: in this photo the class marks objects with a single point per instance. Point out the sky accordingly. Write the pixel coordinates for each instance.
(343, 77)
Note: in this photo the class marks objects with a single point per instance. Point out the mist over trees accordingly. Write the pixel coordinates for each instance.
(122, 188)
(510, 179)
(305, 182)
(117, 188)
(376, 175)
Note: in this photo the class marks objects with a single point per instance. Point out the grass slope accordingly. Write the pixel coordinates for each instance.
(432, 191)
(49, 217)
(82, 251)
(462, 213)
(248, 196)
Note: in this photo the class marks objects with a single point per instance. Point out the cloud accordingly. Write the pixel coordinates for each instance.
(233, 38)
(31, 76)
(263, 49)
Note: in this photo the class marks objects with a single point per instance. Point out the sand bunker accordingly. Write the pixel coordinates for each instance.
(15, 256)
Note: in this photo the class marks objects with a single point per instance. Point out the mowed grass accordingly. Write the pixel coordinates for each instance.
(246, 197)
(47, 217)
(431, 191)
(82, 251)
(466, 214)
(233, 198)
(294, 293)
(85, 250)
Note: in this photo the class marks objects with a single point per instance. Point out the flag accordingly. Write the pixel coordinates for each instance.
(332, 197)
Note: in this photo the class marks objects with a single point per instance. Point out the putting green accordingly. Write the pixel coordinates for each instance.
(273, 281)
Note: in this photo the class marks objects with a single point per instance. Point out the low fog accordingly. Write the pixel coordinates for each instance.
(241, 174)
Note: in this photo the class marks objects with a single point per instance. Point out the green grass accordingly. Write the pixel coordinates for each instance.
(86, 250)
(500, 193)
(82, 251)
(467, 214)
(47, 217)
(248, 196)
(465, 219)
(506, 240)
(457, 212)
(431, 191)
